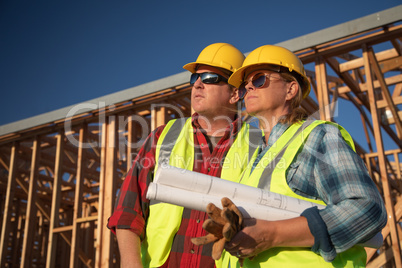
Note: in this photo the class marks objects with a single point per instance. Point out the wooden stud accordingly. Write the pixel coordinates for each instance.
(30, 221)
(382, 162)
(55, 206)
(105, 257)
(385, 91)
(101, 223)
(8, 204)
(75, 245)
(322, 89)
(131, 134)
(18, 230)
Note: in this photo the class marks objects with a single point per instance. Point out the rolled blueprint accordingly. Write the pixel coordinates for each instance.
(199, 201)
(195, 191)
(213, 186)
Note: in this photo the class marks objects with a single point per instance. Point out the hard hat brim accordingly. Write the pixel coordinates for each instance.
(192, 66)
(237, 78)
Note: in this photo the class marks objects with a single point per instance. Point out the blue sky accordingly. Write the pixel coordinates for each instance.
(58, 53)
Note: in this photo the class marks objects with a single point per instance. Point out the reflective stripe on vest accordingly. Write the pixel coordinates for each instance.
(176, 147)
(287, 147)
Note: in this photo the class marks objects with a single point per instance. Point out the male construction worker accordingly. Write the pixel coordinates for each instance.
(213, 141)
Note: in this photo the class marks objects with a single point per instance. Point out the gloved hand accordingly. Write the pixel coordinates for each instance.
(221, 226)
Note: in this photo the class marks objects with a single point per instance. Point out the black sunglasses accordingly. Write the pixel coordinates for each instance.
(207, 78)
(257, 80)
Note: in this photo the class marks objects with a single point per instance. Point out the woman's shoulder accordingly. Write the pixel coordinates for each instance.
(328, 128)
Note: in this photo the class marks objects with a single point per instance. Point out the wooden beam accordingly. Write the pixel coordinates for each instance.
(384, 104)
(42, 208)
(359, 62)
(101, 216)
(104, 256)
(392, 80)
(158, 115)
(8, 204)
(398, 171)
(385, 91)
(55, 206)
(381, 159)
(322, 89)
(354, 86)
(18, 238)
(30, 221)
(79, 181)
(131, 134)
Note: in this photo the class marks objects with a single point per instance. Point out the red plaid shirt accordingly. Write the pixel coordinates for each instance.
(132, 207)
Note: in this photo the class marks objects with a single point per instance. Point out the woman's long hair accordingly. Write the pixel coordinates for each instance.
(297, 113)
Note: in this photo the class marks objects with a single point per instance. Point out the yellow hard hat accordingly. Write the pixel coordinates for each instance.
(272, 55)
(221, 55)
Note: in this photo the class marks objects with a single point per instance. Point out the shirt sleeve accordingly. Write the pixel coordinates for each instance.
(131, 207)
(331, 171)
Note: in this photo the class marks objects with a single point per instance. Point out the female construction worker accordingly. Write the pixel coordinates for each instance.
(308, 159)
(158, 235)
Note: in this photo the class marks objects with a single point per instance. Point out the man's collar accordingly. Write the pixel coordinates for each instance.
(233, 127)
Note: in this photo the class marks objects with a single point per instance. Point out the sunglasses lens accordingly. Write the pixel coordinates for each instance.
(242, 90)
(259, 81)
(209, 78)
(194, 78)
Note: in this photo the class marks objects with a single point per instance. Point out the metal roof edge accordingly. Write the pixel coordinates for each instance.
(359, 25)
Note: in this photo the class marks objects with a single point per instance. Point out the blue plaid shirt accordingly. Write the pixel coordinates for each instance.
(328, 169)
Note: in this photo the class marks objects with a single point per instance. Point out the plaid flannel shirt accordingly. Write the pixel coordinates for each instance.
(132, 208)
(328, 169)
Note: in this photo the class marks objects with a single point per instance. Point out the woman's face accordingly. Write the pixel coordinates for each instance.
(270, 98)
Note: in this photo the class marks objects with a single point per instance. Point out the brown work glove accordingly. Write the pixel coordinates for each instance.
(221, 226)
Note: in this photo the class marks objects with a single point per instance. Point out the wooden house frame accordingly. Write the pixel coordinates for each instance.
(60, 171)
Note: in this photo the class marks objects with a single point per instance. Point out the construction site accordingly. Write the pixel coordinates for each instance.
(60, 172)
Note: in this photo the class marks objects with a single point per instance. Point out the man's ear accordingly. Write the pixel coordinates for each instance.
(234, 96)
(293, 89)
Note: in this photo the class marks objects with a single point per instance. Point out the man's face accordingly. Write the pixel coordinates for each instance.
(211, 100)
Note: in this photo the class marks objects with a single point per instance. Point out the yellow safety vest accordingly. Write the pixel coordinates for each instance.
(175, 147)
(274, 165)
